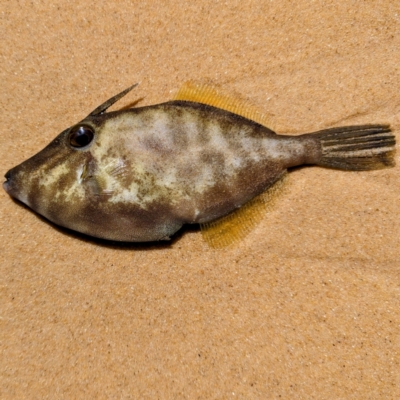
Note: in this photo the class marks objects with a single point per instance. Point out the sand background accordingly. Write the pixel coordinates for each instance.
(307, 306)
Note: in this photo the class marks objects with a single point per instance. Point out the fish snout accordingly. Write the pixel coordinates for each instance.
(8, 183)
(13, 186)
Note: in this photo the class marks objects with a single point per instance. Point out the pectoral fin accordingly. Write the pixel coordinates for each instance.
(103, 181)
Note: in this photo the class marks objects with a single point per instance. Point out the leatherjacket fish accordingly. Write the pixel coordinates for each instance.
(140, 174)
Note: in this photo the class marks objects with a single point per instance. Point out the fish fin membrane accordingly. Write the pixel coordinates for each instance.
(212, 95)
(97, 187)
(116, 168)
(234, 227)
(357, 148)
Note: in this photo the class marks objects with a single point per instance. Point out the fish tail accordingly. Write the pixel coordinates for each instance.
(356, 148)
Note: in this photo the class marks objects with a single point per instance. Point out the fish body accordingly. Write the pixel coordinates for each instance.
(140, 174)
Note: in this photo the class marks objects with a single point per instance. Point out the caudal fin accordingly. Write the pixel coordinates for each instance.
(357, 148)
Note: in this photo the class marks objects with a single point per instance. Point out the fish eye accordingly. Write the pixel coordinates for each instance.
(81, 135)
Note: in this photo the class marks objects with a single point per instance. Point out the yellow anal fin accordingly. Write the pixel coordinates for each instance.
(235, 226)
(211, 95)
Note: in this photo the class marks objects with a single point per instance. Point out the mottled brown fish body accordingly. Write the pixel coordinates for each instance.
(147, 171)
(199, 159)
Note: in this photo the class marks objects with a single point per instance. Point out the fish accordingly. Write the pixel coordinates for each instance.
(140, 174)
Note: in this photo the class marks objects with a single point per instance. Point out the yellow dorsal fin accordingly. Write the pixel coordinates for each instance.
(212, 95)
(237, 225)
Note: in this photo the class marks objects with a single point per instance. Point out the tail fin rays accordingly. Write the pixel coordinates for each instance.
(357, 148)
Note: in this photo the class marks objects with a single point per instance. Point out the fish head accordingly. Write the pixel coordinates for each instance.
(64, 182)
(54, 182)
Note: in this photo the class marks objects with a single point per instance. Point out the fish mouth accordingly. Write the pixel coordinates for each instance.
(13, 187)
(7, 183)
